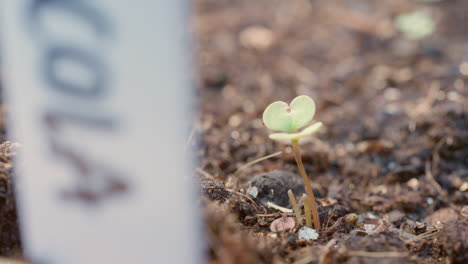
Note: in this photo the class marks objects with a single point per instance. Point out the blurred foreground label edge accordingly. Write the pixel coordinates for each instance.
(99, 93)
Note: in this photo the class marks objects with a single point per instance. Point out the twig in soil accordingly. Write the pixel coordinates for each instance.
(329, 218)
(443, 194)
(245, 196)
(245, 166)
(436, 156)
(204, 173)
(273, 214)
(308, 216)
(424, 235)
(292, 200)
(402, 234)
(431, 179)
(349, 219)
(388, 254)
(279, 208)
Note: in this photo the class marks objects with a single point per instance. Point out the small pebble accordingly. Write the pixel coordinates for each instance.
(391, 165)
(464, 187)
(308, 233)
(430, 201)
(371, 215)
(282, 224)
(253, 192)
(369, 227)
(256, 37)
(273, 187)
(413, 184)
(351, 219)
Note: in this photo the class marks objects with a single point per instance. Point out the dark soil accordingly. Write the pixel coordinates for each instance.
(10, 243)
(394, 153)
(390, 169)
(273, 187)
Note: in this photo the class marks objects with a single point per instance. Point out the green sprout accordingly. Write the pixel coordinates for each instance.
(288, 119)
(415, 25)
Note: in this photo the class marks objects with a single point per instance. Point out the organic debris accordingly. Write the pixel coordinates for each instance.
(282, 224)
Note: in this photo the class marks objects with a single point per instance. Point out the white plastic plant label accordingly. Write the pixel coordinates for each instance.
(99, 92)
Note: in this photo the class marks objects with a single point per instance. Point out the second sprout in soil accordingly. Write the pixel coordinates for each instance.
(288, 120)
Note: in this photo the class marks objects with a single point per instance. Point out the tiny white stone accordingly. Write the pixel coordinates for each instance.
(430, 201)
(253, 192)
(370, 215)
(413, 183)
(308, 233)
(369, 227)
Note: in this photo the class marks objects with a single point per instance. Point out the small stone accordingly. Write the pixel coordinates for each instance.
(256, 37)
(351, 219)
(308, 233)
(282, 224)
(413, 184)
(370, 215)
(464, 187)
(369, 227)
(253, 192)
(430, 201)
(272, 235)
(273, 187)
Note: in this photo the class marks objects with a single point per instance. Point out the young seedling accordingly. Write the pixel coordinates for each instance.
(288, 119)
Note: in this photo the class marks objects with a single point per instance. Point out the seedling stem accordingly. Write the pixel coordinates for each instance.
(308, 187)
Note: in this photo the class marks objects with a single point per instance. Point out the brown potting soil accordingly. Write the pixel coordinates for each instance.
(394, 151)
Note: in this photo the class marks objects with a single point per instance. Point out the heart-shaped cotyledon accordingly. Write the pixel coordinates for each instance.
(280, 116)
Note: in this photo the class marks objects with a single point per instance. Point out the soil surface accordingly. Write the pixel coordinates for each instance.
(390, 168)
(394, 151)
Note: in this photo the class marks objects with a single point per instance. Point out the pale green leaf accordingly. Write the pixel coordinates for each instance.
(276, 117)
(281, 117)
(295, 136)
(302, 111)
